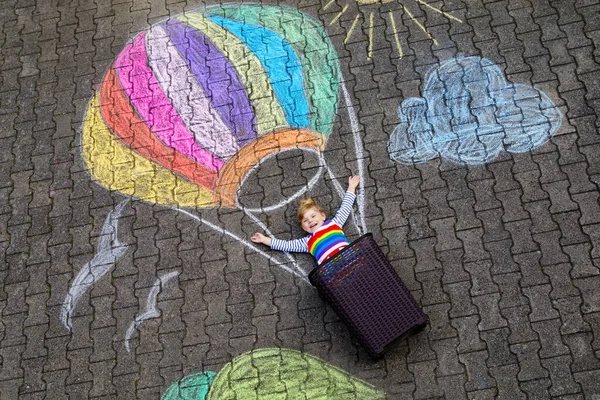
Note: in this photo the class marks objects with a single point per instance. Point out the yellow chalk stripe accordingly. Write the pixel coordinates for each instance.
(117, 167)
(393, 20)
(420, 25)
(352, 28)
(269, 114)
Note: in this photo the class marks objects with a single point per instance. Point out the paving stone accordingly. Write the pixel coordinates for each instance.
(512, 206)
(241, 318)
(530, 184)
(560, 375)
(55, 383)
(570, 312)
(536, 389)
(32, 380)
(579, 255)
(481, 277)
(477, 372)
(420, 348)
(484, 195)
(419, 229)
(508, 384)
(460, 299)
(79, 390)
(438, 204)
(588, 204)
(446, 234)
(452, 266)
(426, 386)
(453, 386)
(314, 331)
(102, 385)
(35, 341)
(529, 361)
(463, 207)
(502, 260)
(398, 243)
(518, 322)
(539, 212)
(579, 182)
(473, 244)
(570, 229)
(219, 344)
(591, 231)
(590, 296)
(439, 321)
(447, 357)
(550, 247)
(468, 334)
(433, 293)
(540, 303)
(560, 279)
(581, 351)
(424, 251)
(497, 346)
(405, 269)
(80, 371)
(489, 311)
(550, 339)
(589, 381)
(510, 292)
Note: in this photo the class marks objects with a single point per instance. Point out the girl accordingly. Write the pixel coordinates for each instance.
(325, 237)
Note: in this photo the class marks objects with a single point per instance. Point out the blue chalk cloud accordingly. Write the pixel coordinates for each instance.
(469, 113)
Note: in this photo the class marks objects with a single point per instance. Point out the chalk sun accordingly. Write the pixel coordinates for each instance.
(391, 16)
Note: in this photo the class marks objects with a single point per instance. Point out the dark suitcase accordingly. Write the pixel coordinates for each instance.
(362, 287)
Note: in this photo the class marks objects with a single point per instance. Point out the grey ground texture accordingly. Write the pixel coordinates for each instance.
(503, 257)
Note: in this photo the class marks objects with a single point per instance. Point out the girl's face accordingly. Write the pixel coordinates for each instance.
(312, 220)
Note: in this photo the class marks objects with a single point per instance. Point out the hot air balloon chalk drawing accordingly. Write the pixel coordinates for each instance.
(196, 103)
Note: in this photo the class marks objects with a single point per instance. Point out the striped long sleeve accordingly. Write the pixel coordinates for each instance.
(296, 245)
(344, 212)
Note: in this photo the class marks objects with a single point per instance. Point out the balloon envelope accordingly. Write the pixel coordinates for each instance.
(191, 105)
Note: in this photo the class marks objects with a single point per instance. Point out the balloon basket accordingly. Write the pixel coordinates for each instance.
(366, 292)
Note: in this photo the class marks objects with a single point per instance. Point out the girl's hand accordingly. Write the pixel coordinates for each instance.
(260, 238)
(353, 182)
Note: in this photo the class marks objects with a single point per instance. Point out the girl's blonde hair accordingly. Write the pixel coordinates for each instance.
(306, 204)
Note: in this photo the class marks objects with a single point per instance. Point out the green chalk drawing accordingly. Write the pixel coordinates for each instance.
(191, 387)
(283, 374)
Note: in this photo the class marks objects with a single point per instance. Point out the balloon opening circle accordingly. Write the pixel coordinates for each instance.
(310, 184)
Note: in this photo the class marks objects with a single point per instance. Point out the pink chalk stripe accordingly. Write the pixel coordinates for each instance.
(154, 107)
(187, 96)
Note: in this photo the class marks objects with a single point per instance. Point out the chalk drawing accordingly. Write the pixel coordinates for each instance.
(273, 373)
(109, 250)
(190, 106)
(190, 387)
(151, 303)
(469, 113)
(195, 104)
(370, 9)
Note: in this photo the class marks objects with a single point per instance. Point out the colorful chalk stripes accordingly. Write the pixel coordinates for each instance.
(328, 240)
(190, 106)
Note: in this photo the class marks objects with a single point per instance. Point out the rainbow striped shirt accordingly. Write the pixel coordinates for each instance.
(325, 242)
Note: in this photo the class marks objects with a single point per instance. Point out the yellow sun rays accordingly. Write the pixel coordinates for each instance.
(392, 22)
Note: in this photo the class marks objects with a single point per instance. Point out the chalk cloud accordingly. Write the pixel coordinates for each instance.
(469, 113)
